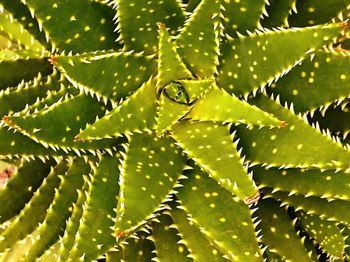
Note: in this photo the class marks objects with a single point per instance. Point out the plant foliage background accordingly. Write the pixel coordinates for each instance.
(201, 130)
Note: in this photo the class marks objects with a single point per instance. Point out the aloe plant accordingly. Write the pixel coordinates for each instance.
(201, 130)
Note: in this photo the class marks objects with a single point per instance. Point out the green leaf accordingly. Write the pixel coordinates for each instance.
(50, 255)
(170, 65)
(268, 55)
(14, 144)
(287, 146)
(199, 246)
(14, 69)
(315, 12)
(192, 4)
(21, 12)
(212, 147)
(169, 112)
(95, 234)
(316, 82)
(313, 182)
(166, 241)
(21, 187)
(195, 88)
(138, 248)
(109, 75)
(133, 115)
(277, 12)
(35, 211)
(60, 208)
(326, 233)
(57, 125)
(150, 171)
(336, 119)
(18, 33)
(67, 241)
(335, 210)
(19, 249)
(80, 29)
(220, 216)
(218, 106)
(138, 22)
(278, 231)
(198, 42)
(15, 99)
(240, 16)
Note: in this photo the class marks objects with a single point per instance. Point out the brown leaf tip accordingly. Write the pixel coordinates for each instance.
(253, 199)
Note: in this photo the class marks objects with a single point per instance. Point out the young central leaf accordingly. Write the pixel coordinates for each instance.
(149, 173)
(177, 93)
(212, 147)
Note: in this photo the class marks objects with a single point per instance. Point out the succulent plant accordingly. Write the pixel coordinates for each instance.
(201, 130)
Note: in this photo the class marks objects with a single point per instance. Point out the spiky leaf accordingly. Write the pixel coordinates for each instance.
(278, 147)
(198, 42)
(133, 115)
(257, 53)
(140, 34)
(224, 219)
(326, 233)
(149, 173)
(278, 231)
(212, 147)
(95, 234)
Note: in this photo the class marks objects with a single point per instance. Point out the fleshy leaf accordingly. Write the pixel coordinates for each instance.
(22, 14)
(170, 66)
(195, 88)
(212, 147)
(15, 99)
(223, 218)
(277, 12)
(240, 16)
(149, 173)
(15, 195)
(35, 211)
(60, 208)
(198, 42)
(316, 82)
(60, 123)
(166, 241)
(336, 119)
(268, 55)
(18, 33)
(140, 34)
(133, 115)
(15, 69)
(67, 241)
(80, 29)
(95, 234)
(199, 246)
(287, 146)
(218, 106)
(17, 144)
(335, 210)
(312, 182)
(110, 75)
(137, 249)
(278, 232)
(169, 112)
(313, 12)
(326, 233)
